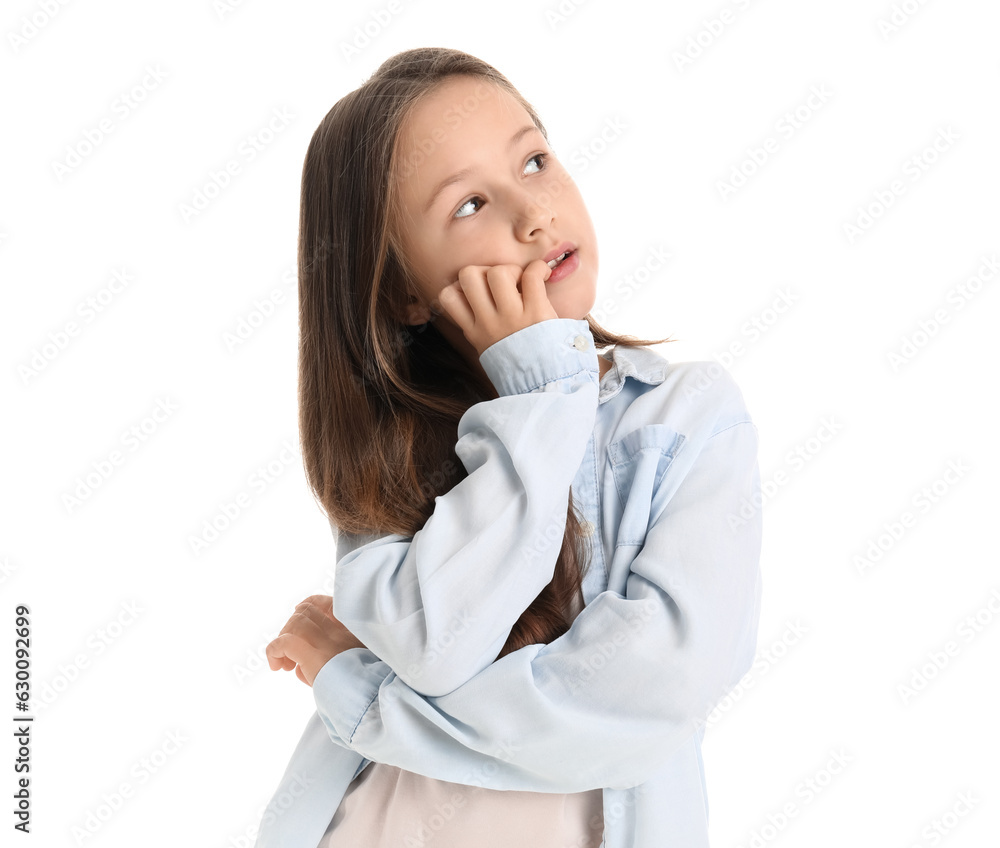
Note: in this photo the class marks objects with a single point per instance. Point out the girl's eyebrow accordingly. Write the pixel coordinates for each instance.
(458, 176)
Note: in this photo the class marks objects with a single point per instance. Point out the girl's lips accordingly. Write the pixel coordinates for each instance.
(559, 251)
(564, 268)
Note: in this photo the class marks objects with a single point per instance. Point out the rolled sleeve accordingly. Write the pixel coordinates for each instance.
(438, 606)
(561, 717)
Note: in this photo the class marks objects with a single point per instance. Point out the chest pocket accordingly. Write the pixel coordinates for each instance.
(639, 461)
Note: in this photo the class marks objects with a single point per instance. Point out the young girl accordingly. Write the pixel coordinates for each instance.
(547, 558)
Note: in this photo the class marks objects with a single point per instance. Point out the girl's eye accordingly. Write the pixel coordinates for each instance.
(467, 202)
(541, 157)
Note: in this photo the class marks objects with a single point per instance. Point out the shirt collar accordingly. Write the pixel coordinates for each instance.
(640, 363)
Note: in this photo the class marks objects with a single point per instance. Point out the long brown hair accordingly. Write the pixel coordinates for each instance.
(380, 400)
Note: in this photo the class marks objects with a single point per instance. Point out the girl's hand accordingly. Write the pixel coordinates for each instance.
(490, 302)
(311, 637)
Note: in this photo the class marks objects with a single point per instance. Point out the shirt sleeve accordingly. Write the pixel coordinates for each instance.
(437, 607)
(606, 703)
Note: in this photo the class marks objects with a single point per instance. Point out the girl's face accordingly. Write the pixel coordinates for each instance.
(513, 201)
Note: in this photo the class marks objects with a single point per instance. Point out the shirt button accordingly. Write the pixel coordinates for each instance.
(581, 342)
(587, 528)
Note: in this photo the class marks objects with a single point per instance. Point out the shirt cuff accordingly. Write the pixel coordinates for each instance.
(540, 353)
(345, 687)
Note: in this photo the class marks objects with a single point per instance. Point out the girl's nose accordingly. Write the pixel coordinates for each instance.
(533, 210)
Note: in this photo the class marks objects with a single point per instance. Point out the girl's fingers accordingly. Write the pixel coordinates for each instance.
(454, 301)
(323, 603)
(309, 637)
(307, 623)
(314, 618)
(280, 663)
(472, 282)
(533, 282)
(306, 627)
(306, 617)
(502, 280)
(284, 651)
(490, 302)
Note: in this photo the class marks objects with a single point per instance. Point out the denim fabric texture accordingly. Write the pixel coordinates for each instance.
(662, 461)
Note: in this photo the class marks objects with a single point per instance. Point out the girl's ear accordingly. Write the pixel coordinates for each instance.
(418, 315)
(415, 312)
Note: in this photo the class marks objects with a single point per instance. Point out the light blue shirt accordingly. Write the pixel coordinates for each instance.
(662, 460)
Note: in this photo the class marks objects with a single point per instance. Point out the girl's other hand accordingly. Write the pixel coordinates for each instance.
(311, 637)
(491, 302)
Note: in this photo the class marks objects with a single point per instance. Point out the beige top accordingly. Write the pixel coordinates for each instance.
(388, 807)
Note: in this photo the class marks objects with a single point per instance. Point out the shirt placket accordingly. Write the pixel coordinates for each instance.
(585, 496)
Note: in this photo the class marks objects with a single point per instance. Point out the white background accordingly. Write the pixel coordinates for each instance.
(819, 379)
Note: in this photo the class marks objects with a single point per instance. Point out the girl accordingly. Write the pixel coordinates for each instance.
(547, 559)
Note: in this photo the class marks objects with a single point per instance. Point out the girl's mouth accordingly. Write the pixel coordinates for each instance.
(559, 259)
(564, 266)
